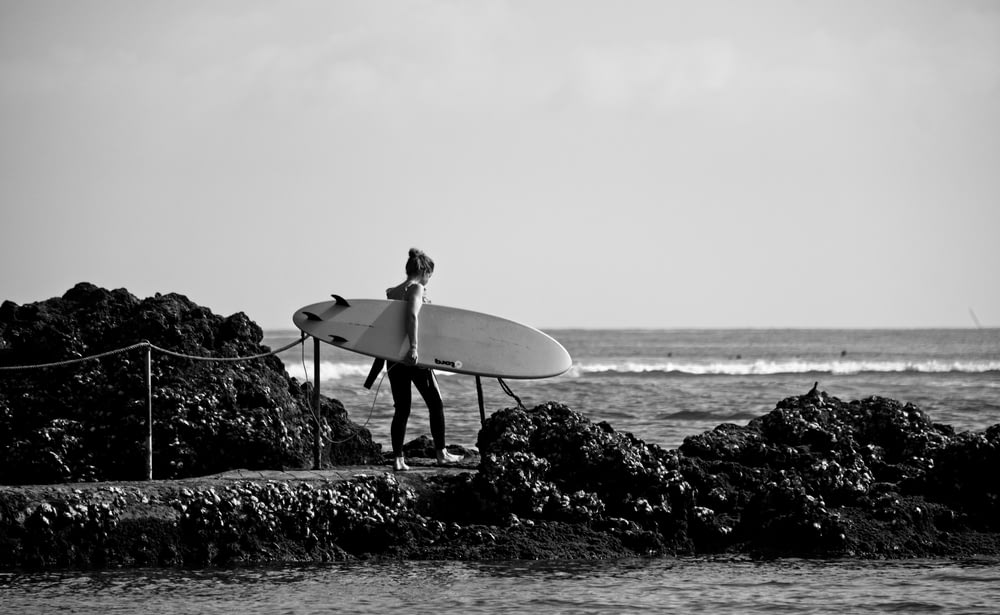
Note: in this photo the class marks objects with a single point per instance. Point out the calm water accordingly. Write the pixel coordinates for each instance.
(666, 385)
(624, 586)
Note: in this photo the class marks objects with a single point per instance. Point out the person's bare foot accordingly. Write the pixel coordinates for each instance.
(400, 465)
(444, 457)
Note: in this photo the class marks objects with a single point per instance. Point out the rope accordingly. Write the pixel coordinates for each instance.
(79, 360)
(367, 420)
(222, 359)
(181, 355)
(371, 410)
(313, 410)
(151, 346)
(506, 389)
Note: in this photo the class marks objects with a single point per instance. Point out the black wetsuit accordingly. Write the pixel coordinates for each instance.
(401, 376)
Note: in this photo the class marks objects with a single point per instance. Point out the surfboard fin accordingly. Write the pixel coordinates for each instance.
(336, 339)
(341, 301)
(311, 316)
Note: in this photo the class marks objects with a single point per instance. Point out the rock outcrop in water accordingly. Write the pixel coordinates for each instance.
(821, 476)
(815, 477)
(87, 421)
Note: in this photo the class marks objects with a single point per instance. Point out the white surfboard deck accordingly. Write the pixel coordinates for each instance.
(450, 339)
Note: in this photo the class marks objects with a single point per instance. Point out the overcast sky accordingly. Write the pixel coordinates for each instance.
(566, 163)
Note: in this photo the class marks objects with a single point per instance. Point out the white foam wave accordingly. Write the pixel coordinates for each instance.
(761, 367)
(332, 370)
(328, 370)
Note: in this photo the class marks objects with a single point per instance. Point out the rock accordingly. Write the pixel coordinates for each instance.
(88, 421)
(966, 473)
(553, 463)
(814, 477)
(817, 476)
(423, 447)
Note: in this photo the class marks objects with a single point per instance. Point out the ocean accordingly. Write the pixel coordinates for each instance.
(661, 385)
(665, 385)
(681, 585)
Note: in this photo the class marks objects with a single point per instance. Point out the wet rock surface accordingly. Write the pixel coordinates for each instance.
(87, 421)
(816, 477)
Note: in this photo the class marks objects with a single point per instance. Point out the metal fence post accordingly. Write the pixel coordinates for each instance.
(479, 396)
(149, 411)
(317, 458)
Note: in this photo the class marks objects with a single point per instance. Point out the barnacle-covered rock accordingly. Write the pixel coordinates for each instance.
(966, 473)
(815, 477)
(87, 421)
(821, 476)
(551, 462)
(71, 531)
(366, 514)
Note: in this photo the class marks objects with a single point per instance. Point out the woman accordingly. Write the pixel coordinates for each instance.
(419, 268)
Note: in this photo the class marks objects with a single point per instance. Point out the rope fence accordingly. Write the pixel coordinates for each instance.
(150, 347)
(79, 360)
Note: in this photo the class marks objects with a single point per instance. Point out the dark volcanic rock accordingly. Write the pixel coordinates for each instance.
(814, 477)
(422, 447)
(966, 474)
(87, 421)
(553, 463)
(818, 476)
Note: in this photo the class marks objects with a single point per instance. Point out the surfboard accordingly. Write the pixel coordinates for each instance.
(451, 339)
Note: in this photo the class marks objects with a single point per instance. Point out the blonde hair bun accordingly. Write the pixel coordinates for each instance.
(419, 263)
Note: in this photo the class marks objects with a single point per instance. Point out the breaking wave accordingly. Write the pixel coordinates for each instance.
(328, 370)
(339, 370)
(761, 367)
(336, 370)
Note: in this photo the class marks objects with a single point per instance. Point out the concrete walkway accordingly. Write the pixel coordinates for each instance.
(419, 469)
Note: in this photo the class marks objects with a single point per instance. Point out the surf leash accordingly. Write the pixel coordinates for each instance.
(371, 378)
